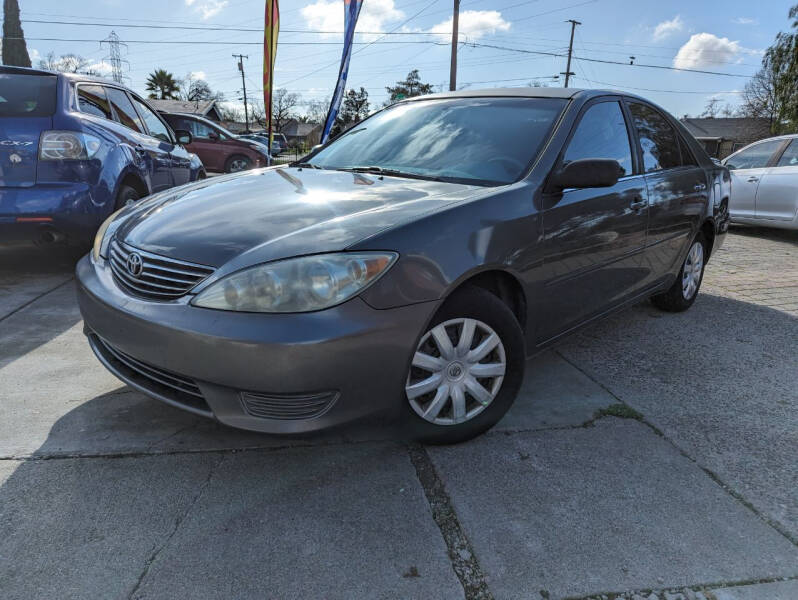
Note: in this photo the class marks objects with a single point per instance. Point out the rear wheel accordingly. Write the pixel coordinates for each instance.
(127, 195)
(684, 290)
(237, 163)
(466, 370)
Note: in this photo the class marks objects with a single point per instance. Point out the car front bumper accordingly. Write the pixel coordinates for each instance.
(275, 373)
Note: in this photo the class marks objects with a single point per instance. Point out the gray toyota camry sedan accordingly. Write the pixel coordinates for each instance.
(408, 267)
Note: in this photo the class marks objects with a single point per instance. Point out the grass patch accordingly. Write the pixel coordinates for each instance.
(620, 410)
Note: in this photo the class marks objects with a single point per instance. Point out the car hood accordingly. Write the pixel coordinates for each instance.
(275, 213)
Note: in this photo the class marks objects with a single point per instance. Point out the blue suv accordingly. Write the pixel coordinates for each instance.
(73, 149)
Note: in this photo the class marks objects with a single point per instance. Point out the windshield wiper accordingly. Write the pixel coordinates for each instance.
(304, 165)
(376, 170)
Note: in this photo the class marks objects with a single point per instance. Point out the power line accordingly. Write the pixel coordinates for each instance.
(221, 43)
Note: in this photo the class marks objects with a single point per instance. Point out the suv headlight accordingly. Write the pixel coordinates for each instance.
(301, 284)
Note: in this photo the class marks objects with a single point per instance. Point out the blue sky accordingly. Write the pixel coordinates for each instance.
(725, 36)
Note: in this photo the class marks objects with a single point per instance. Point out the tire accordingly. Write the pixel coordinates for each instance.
(684, 290)
(237, 163)
(488, 314)
(126, 195)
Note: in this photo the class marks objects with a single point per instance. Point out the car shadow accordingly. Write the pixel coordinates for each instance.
(766, 233)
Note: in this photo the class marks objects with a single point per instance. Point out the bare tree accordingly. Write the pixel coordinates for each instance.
(712, 108)
(316, 111)
(759, 97)
(284, 105)
(193, 89)
(66, 63)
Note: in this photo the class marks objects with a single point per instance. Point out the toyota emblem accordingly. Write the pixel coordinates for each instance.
(134, 264)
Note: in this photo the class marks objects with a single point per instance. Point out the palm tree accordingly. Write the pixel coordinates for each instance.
(162, 85)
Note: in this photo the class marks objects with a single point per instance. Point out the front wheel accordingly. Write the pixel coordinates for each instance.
(237, 163)
(684, 290)
(126, 196)
(466, 370)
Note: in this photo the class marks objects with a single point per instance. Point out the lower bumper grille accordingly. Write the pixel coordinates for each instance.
(287, 407)
(163, 384)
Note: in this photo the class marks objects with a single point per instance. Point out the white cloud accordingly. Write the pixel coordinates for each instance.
(34, 55)
(328, 15)
(473, 24)
(706, 49)
(197, 75)
(668, 28)
(745, 21)
(207, 8)
(100, 68)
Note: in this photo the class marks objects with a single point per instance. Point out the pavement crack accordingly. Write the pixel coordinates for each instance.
(711, 474)
(178, 522)
(461, 554)
(32, 300)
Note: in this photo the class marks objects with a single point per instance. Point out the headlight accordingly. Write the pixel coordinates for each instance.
(68, 145)
(298, 284)
(100, 247)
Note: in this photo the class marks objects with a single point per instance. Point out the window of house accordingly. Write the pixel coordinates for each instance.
(602, 133)
(658, 140)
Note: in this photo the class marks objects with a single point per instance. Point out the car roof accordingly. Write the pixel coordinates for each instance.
(70, 76)
(521, 92)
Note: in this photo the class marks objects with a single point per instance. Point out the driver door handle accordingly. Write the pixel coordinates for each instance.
(638, 203)
(753, 179)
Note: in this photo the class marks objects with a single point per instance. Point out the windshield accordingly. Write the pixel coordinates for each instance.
(479, 140)
(27, 95)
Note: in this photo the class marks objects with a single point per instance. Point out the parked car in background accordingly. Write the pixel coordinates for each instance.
(220, 150)
(410, 265)
(277, 145)
(74, 148)
(765, 183)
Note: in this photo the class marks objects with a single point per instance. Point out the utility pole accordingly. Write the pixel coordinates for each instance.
(241, 58)
(453, 68)
(568, 73)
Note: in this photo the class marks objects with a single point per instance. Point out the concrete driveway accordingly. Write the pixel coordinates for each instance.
(651, 456)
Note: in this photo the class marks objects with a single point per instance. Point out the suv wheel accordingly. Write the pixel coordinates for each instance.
(127, 195)
(467, 369)
(237, 163)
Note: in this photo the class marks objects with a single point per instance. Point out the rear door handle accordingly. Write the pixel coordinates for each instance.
(700, 187)
(638, 203)
(753, 179)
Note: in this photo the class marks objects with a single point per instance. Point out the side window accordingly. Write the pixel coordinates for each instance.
(92, 101)
(657, 139)
(790, 156)
(124, 109)
(754, 157)
(601, 133)
(201, 130)
(155, 126)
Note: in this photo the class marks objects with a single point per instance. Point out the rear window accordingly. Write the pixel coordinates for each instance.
(27, 95)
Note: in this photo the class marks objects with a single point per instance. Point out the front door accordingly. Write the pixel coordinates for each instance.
(594, 237)
(778, 187)
(747, 167)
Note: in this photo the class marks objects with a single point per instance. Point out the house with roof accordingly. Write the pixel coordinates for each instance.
(201, 108)
(722, 136)
(300, 134)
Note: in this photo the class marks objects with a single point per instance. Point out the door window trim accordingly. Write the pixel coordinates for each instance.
(639, 148)
(776, 157)
(77, 100)
(172, 140)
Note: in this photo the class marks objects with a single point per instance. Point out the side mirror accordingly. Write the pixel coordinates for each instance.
(183, 137)
(214, 136)
(587, 173)
(316, 147)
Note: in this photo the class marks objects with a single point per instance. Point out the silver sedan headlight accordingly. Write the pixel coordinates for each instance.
(301, 284)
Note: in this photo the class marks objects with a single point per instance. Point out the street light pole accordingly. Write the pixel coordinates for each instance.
(453, 68)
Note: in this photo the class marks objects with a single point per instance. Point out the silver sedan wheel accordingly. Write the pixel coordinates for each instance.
(693, 267)
(457, 371)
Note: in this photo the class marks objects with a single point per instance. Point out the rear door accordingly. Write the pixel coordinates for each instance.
(747, 168)
(594, 237)
(677, 188)
(151, 152)
(27, 105)
(179, 160)
(777, 193)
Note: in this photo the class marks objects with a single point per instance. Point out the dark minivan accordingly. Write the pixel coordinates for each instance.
(73, 149)
(410, 265)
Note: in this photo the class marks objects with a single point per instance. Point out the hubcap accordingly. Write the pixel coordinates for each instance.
(691, 273)
(239, 165)
(457, 371)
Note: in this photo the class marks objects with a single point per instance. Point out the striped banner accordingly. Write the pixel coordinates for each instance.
(351, 13)
(271, 30)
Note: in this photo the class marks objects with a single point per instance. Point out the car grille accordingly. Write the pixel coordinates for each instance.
(163, 384)
(289, 407)
(154, 277)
